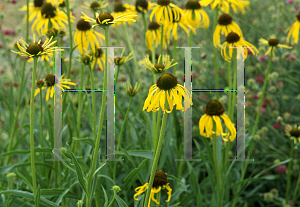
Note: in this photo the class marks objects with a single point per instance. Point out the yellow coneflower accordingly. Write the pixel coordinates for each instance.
(85, 36)
(223, 5)
(293, 132)
(131, 91)
(123, 59)
(225, 25)
(34, 9)
(94, 6)
(195, 13)
(50, 81)
(98, 57)
(214, 110)
(162, 12)
(49, 15)
(235, 40)
(167, 87)
(183, 23)
(62, 3)
(36, 49)
(154, 35)
(294, 30)
(106, 19)
(160, 182)
(143, 6)
(86, 58)
(121, 9)
(159, 67)
(273, 43)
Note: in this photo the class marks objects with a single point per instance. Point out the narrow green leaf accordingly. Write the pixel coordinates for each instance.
(22, 152)
(138, 153)
(24, 179)
(105, 197)
(120, 202)
(37, 198)
(99, 168)
(65, 193)
(62, 158)
(8, 168)
(85, 140)
(194, 182)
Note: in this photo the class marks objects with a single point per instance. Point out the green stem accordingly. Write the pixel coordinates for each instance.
(289, 174)
(158, 198)
(296, 189)
(118, 70)
(230, 87)
(215, 56)
(255, 125)
(263, 92)
(153, 114)
(190, 38)
(27, 23)
(175, 56)
(97, 140)
(111, 201)
(233, 103)
(145, 22)
(41, 120)
(156, 158)
(70, 37)
(93, 101)
(120, 136)
(33, 171)
(161, 40)
(157, 128)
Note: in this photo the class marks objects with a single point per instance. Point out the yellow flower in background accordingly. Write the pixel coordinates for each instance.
(293, 132)
(160, 182)
(273, 43)
(214, 110)
(158, 67)
(294, 30)
(131, 91)
(106, 19)
(49, 14)
(195, 13)
(62, 3)
(168, 90)
(34, 9)
(183, 23)
(162, 12)
(94, 6)
(85, 36)
(223, 5)
(123, 59)
(154, 35)
(36, 49)
(225, 25)
(121, 9)
(98, 57)
(143, 6)
(235, 40)
(50, 82)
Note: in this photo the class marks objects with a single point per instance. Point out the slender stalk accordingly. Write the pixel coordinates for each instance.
(157, 128)
(215, 55)
(190, 38)
(97, 140)
(158, 198)
(117, 75)
(230, 87)
(33, 171)
(289, 174)
(175, 56)
(156, 158)
(255, 125)
(111, 201)
(153, 114)
(120, 136)
(296, 189)
(145, 22)
(41, 119)
(233, 103)
(161, 40)
(70, 37)
(93, 100)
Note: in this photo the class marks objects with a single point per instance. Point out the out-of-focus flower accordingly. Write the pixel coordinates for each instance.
(163, 64)
(153, 35)
(223, 5)
(195, 14)
(293, 132)
(121, 9)
(281, 168)
(123, 59)
(276, 126)
(259, 79)
(131, 91)
(98, 57)
(162, 12)
(273, 43)
(142, 6)
(94, 6)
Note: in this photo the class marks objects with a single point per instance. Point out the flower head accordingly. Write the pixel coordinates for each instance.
(159, 67)
(106, 19)
(142, 6)
(223, 5)
(162, 12)
(293, 132)
(85, 36)
(131, 91)
(294, 30)
(36, 49)
(121, 9)
(98, 57)
(273, 43)
(95, 5)
(167, 90)
(225, 25)
(160, 182)
(214, 110)
(123, 59)
(195, 13)
(235, 40)
(153, 36)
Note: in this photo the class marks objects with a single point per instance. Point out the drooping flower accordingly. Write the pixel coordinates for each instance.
(123, 59)
(195, 13)
(131, 91)
(121, 9)
(223, 5)
(154, 35)
(273, 43)
(293, 132)
(98, 57)
(160, 182)
(143, 6)
(167, 90)
(95, 5)
(214, 110)
(161, 66)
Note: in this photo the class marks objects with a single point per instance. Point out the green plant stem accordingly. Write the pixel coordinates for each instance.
(41, 118)
(217, 173)
(175, 56)
(158, 198)
(111, 201)
(156, 158)
(117, 75)
(120, 136)
(157, 128)
(255, 125)
(145, 22)
(215, 55)
(190, 38)
(289, 174)
(97, 140)
(70, 37)
(161, 40)
(230, 87)
(33, 171)
(296, 189)
(233, 102)
(153, 114)
(93, 101)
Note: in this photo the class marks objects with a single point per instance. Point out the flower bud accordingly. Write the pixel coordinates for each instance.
(116, 188)
(274, 191)
(268, 197)
(11, 175)
(276, 161)
(275, 113)
(256, 137)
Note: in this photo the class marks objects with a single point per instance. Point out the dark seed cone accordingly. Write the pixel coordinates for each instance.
(295, 132)
(153, 26)
(94, 5)
(50, 80)
(119, 7)
(118, 61)
(38, 3)
(40, 83)
(141, 3)
(83, 25)
(98, 53)
(160, 179)
(156, 56)
(103, 16)
(273, 42)
(34, 48)
(232, 37)
(224, 19)
(166, 81)
(163, 2)
(48, 10)
(193, 5)
(214, 107)
(159, 67)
